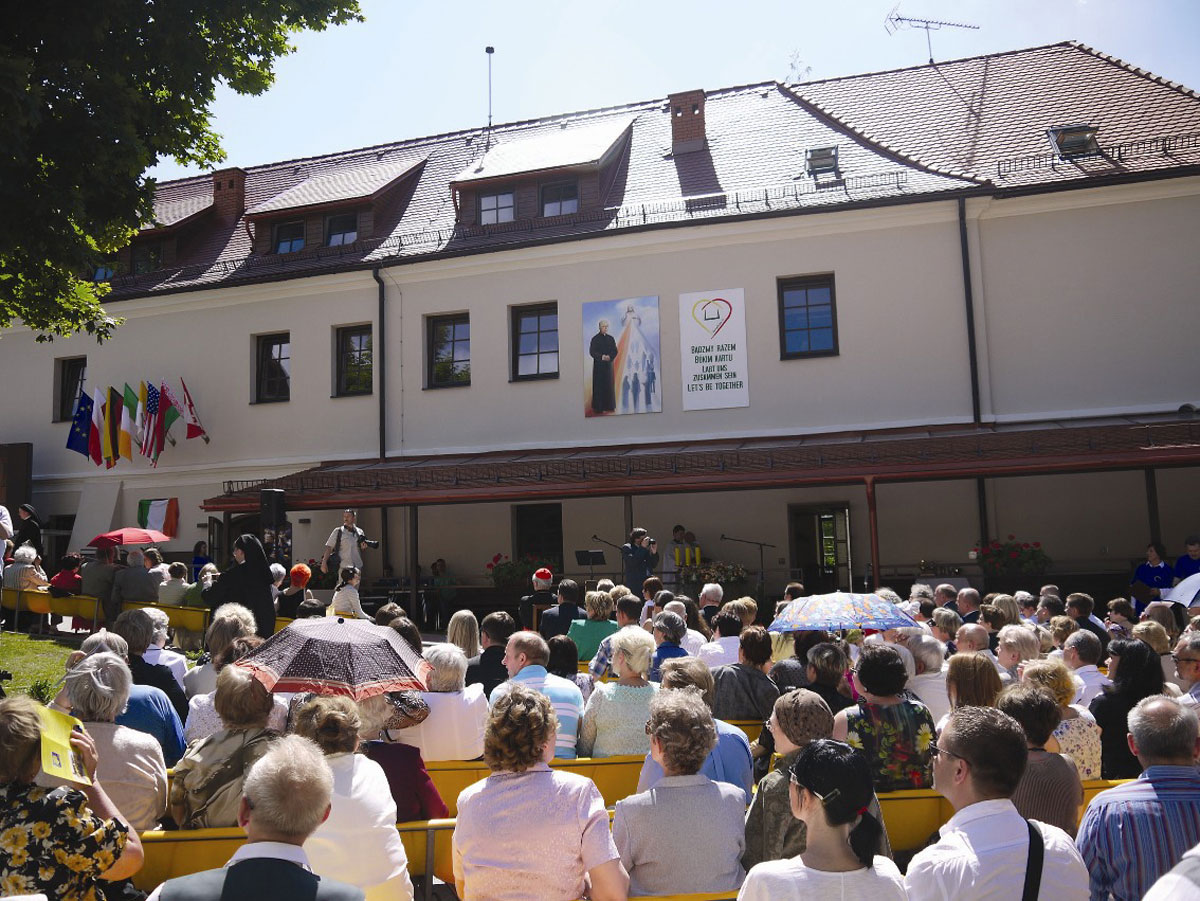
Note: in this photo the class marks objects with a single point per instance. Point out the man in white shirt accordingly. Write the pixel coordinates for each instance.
(1081, 653)
(692, 640)
(285, 797)
(929, 684)
(347, 542)
(982, 853)
(723, 649)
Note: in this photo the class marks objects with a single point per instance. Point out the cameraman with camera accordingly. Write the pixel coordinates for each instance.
(344, 546)
(639, 558)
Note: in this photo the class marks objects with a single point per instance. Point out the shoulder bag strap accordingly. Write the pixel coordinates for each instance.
(1033, 866)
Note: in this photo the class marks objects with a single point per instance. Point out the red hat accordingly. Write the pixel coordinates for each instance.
(544, 574)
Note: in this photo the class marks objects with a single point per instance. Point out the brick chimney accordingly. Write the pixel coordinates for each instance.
(687, 121)
(229, 193)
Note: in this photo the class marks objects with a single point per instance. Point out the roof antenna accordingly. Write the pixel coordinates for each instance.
(487, 145)
(894, 22)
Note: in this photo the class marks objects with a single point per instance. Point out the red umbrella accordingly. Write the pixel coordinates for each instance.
(129, 536)
(330, 655)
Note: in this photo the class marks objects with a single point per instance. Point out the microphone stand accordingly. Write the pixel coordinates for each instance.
(762, 564)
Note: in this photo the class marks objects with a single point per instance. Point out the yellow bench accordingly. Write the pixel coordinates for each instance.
(41, 602)
(616, 777)
(750, 727)
(194, 619)
(170, 854)
(911, 817)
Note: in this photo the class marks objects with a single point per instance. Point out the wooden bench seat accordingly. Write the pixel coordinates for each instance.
(616, 777)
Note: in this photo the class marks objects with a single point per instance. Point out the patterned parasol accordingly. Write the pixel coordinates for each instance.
(840, 611)
(335, 656)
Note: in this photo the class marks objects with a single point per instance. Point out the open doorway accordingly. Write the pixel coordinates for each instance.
(819, 544)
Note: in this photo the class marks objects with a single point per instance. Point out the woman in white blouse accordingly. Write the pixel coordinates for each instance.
(457, 712)
(830, 791)
(358, 842)
(131, 762)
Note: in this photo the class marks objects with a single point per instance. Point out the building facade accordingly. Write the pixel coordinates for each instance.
(963, 288)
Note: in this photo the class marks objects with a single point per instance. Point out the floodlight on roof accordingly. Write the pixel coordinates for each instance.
(1074, 140)
(821, 161)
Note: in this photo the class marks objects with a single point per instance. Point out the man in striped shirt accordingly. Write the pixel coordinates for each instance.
(1134, 833)
(525, 657)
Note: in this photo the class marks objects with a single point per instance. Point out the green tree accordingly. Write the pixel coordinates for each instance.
(91, 96)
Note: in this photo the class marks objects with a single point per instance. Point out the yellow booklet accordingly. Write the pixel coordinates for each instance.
(59, 759)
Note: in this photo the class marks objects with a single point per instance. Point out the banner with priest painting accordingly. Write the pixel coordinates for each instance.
(621, 362)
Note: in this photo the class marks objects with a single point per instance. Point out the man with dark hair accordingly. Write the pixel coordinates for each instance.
(1080, 608)
(1081, 654)
(723, 649)
(984, 851)
(743, 690)
(628, 610)
(673, 557)
(487, 667)
(1189, 563)
(968, 605)
(1133, 834)
(1048, 607)
(1151, 577)
(557, 620)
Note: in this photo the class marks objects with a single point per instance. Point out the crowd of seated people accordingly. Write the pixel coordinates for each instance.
(992, 718)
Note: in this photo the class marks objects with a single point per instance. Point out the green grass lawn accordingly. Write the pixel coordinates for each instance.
(33, 660)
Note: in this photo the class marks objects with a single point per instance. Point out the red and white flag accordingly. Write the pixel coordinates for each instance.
(194, 428)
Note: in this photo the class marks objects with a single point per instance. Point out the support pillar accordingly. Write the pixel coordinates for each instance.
(1152, 505)
(414, 568)
(628, 517)
(981, 504)
(873, 519)
(384, 543)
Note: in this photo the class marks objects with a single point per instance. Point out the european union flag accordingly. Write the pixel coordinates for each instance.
(81, 425)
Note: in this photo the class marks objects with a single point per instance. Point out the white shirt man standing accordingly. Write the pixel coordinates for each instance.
(347, 541)
(1081, 654)
(6, 532)
(982, 852)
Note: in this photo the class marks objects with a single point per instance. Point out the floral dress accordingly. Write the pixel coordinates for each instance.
(51, 842)
(1079, 738)
(896, 740)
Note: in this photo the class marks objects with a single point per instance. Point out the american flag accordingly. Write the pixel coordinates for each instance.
(151, 414)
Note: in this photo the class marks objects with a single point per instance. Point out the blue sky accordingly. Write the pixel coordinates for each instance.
(417, 67)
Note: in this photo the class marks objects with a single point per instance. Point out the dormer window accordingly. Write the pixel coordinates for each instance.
(289, 237)
(560, 199)
(341, 230)
(495, 208)
(1074, 140)
(821, 161)
(147, 258)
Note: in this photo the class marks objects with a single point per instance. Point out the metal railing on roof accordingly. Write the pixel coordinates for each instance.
(1163, 145)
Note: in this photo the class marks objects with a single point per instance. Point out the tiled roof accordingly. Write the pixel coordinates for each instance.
(186, 199)
(350, 183)
(968, 125)
(578, 145)
(987, 116)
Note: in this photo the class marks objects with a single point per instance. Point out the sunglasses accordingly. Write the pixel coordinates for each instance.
(935, 752)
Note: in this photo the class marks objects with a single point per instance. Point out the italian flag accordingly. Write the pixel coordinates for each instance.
(161, 514)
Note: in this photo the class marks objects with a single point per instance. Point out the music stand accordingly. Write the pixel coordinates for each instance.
(590, 559)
